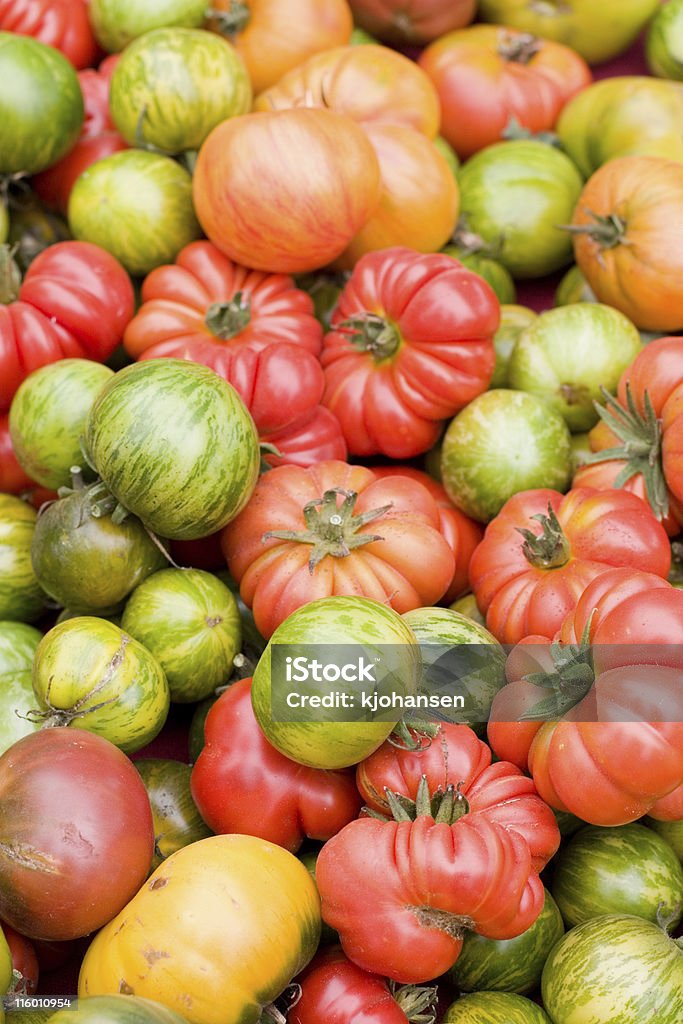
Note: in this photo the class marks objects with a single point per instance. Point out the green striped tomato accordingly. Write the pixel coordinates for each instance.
(177, 822)
(513, 320)
(498, 1007)
(18, 643)
(21, 597)
(615, 969)
(672, 831)
(174, 85)
(116, 1009)
(91, 675)
(332, 739)
(175, 445)
(86, 562)
(138, 206)
(190, 622)
(117, 22)
(509, 965)
(5, 965)
(624, 870)
(47, 416)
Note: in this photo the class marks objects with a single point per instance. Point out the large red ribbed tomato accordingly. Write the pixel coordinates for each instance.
(240, 783)
(635, 442)
(410, 344)
(74, 302)
(63, 24)
(99, 139)
(543, 549)
(487, 75)
(425, 884)
(457, 757)
(336, 529)
(370, 84)
(285, 190)
(411, 21)
(313, 438)
(256, 330)
(462, 533)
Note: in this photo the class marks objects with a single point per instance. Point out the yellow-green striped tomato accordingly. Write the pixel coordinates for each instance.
(177, 822)
(21, 597)
(18, 643)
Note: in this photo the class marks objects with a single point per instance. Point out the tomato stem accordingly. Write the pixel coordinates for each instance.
(518, 47)
(570, 681)
(10, 275)
(446, 806)
(607, 232)
(227, 319)
(418, 1002)
(231, 21)
(370, 332)
(549, 549)
(331, 528)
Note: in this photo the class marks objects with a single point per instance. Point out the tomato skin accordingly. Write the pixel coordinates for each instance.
(177, 822)
(407, 869)
(107, 810)
(117, 22)
(417, 22)
(335, 990)
(612, 607)
(485, 76)
(74, 301)
(601, 528)
(116, 1009)
(313, 438)
(21, 597)
(13, 479)
(662, 43)
(411, 565)
(498, 792)
(24, 959)
(249, 170)
(63, 24)
(237, 764)
(442, 318)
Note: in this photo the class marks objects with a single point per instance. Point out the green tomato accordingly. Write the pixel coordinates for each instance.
(136, 205)
(581, 450)
(495, 1008)
(328, 936)
(493, 272)
(171, 87)
(569, 354)
(175, 445)
(190, 622)
(598, 31)
(359, 37)
(664, 42)
(509, 965)
(467, 606)
(5, 965)
(18, 643)
(480, 676)
(116, 1009)
(89, 674)
(334, 738)
(573, 288)
(515, 195)
(41, 105)
(117, 22)
(614, 969)
(513, 320)
(21, 596)
(177, 822)
(671, 831)
(47, 417)
(4, 223)
(501, 443)
(87, 562)
(624, 870)
(444, 147)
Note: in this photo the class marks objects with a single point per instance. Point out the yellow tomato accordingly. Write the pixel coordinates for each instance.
(5, 968)
(216, 933)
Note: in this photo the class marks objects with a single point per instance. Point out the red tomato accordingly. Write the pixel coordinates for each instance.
(74, 301)
(63, 24)
(620, 591)
(498, 792)
(13, 480)
(410, 344)
(411, 21)
(237, 766)
(487, 75)
(529, 584)
(669, 807)
(314, 438)
(336, 529)
(24, 960)
(461, 532)
(510, 738)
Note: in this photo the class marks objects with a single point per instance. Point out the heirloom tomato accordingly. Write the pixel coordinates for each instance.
(274, 36)
(76, 807)
(663, 42)
(513, 321)
(251, 922)
(370, 84)
(359, 627)
(117, 22)
(336, 529)
(671, 831)
(625, 970)
(480, 1008)
(177, 822)
(237, 765)
(311, 439)
(175, 445)
(515, 195)
(411, 343)
(527, 584)
(411, 21)
(116, 1009)
(41, 106)
(18, 643)
(625, 241)
(63, 24)
(74, 301)
(172, 86)
(503, 442)
(494, 273)
(21, 597)
(249, 170)
(487, 76)
(13, 479)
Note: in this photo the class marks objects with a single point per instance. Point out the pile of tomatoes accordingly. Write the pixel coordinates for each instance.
(266, 387)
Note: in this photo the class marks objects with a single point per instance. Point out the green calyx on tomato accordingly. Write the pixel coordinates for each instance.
(570, 681)
(10, 275)
(518, 47)
(227, 319)
(607, 232)
(550, 548)
(371, 333)
(332, 529)
(446, 806)
(232, 21)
